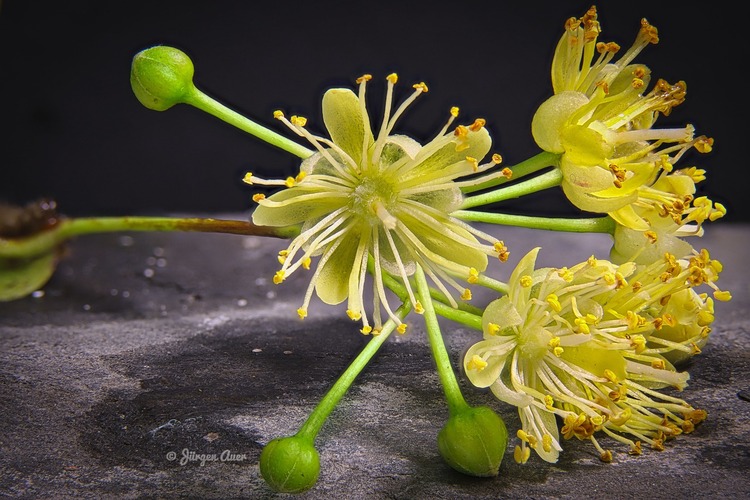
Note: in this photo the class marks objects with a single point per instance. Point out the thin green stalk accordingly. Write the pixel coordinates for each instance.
(590, 225)
(456, 401)
(48, 239)
(208, 104)
(520, 170)
(538, 183)
(315, 421)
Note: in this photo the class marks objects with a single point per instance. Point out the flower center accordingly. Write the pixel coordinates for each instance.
(373, 201)
(533, 342)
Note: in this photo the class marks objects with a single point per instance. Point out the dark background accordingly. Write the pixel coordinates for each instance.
(72, 129)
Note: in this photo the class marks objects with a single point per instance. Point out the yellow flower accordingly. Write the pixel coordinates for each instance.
(600, 120)
(580, 344)
(380, 196)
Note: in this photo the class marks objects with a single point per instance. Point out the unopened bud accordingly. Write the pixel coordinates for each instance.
(161, 77)
(290, 464)
(474, 441)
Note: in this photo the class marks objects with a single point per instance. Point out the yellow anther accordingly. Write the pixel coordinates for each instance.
(558, 351)
(610, 375)
(278, 277)
(705, 318)
(478, 124)
(299, 121)
(290, 182)
(591, 261)
(354, 315)
(526, 281)
(507, 173)
(306, 263)
(401, 328)
(257, 197)
(522, 435)
(376, 331)
(466, 295)
(278, 114)
(694, 349)
(281, 259)
(704, 144)
(497, 159)
(547, 443)
(637, 83)
(635, 448)
(419, 308)
(606, 456)
(651, 236)
(364, 78)
(300, 176)
(454, 111)
(597, 420)
(565, 274)
(392, 78)
(554, 342)
(636, 286)
(473, 162)
(283, 253)
(302, 313)
(723, 295)
(583, 326)
(461, 132)
(638, 342)
(421, 86)
(554, 302)
(476, 363)
(493, 329)
(533, 441)
(473, 275)
(366, 330)
(549, 402)
(658, 364)
(248, 179)
(521, 454)
(609, 278)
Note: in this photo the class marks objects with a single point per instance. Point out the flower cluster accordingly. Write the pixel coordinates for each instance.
(585, 344)
(600, 119)
(588, 351)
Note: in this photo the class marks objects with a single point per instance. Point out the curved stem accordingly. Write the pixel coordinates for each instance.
(522, 169)
(211, 106)
(538, 183)
(315, 421)
(456, 401)
(592, 225)
(68, 228)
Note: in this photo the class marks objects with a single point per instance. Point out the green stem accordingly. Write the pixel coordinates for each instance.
(211, 106)
(67, 228)
(538, 183)
(522, 169)
(592, 225)
(456, 401)
(315, 421)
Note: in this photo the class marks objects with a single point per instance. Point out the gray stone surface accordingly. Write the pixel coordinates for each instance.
(146, 344)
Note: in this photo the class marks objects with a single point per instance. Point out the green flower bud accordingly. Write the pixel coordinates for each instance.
(161, 77)
(290, 464)
(474, 441)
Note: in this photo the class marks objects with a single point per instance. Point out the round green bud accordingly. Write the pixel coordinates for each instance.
(290, 464)
(474, 442)
(161, 77)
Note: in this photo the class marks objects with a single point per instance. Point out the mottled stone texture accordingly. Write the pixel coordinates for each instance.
(147, 344)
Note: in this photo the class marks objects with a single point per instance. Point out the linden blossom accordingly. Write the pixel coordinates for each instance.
(601, 123)
(584, 344)
(384, 197)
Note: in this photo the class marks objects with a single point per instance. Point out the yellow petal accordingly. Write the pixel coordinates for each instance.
(342, 115)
